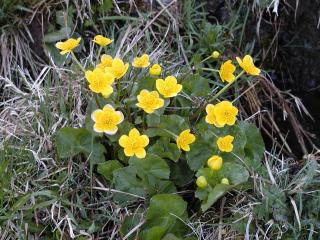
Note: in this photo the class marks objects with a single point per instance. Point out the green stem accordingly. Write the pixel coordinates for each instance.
(118, 90)
(211, 70)
(98, 55)
(225, 88)
(216, 96)
(77, 61)
(132, 84)
(207, 58)
(167, 131)
(97, 101)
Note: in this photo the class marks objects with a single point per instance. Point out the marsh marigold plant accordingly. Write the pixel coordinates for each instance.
(149, 135)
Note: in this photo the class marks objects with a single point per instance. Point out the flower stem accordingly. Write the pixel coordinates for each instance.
(97, 101)
(98, 55)
(77, 61)
(207, 58)
(226, 87)
(210, 70)
(118, 90)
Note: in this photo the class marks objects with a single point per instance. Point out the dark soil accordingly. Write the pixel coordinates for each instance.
(295, 57)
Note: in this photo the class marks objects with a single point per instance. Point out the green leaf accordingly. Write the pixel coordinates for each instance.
(106, 169)
(172, 123)
(170, 236)
(163, 216)
(72, 141)
(200, 151)
(54, 37)
(151, 165)
(126, 180)
(165, 149)
(236, 174)
(147, 83)
(217, 192)
(154, 172)
(130, 222)
(254, 147)
(180, 173)
(195, 85)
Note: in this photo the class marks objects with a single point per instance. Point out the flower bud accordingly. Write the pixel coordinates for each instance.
(225, 181)
(201, 182)
(215, 54)
(215, 162)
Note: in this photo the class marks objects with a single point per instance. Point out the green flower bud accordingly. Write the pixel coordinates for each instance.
(215, 54)
(201, 182)
(225, 181)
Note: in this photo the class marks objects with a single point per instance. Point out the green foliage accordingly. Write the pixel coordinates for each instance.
(73, 141)
(153, 166)
(106, 169)
(235, 173)
(165, 215)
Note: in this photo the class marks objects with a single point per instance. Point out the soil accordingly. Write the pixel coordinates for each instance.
(295, 59)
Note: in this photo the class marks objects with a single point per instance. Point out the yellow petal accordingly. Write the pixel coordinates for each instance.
(134, 133)
(140, 153)
(124, 141)
(128, 152)
(144, 140)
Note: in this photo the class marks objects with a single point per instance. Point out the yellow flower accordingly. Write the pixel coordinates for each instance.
(149, 101)
(225, 181)
(102, 41)
(168, 87)
(225, 143)
(221, 114)
(215, 54)
(226, 71)
(100, 81)
(68, 45)
(106, 120)
(155, 70)
(211, 117)
(134, 144)
(248, 66)
(215, 162)
(118, 68)
(225, 113)
(141, 62)
(106, 61)
(184, 139)
(201, 182)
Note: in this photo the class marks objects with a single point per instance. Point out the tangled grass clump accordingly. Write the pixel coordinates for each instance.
(147, 139)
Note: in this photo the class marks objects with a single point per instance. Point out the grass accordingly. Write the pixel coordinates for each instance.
(46, 198)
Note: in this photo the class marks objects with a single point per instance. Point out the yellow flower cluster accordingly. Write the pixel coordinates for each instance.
(224, 113)
(151, 101)
(227, 69)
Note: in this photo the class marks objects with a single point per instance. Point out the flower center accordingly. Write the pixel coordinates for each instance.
(226, 114)
(108, 120)
(134, 143)
(149, 101)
